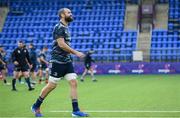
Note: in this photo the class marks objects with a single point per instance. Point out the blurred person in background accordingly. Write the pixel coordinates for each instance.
(33, 58)
(3, 66)
(21, 61)
(87, 63)
(43, 65)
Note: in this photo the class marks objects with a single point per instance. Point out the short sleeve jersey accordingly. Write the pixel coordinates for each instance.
(42, 55)
(58, 54)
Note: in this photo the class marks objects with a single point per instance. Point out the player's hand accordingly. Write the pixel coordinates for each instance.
(16, 63)
(80, 54)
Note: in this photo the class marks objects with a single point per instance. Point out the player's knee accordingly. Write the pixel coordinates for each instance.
(16, 76)
(26, 75)
(51, 86)
(40, 75)
(73, 83)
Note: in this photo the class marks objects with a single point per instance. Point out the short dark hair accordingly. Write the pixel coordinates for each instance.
(20, 41)
(31, 44)
(61, 11)
(44, 47)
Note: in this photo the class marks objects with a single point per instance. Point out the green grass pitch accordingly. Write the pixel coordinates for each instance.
(112, 96)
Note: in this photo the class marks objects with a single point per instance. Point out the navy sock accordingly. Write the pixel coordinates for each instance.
(75, 105)
(19, 79)
(38, 102)
(13, 83)
(28, 82)
(5, 81)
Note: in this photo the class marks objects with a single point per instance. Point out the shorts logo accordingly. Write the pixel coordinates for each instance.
(55, 74)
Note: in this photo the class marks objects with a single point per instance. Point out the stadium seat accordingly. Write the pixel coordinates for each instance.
(92, 28)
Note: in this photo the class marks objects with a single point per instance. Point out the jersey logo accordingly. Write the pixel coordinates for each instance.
(19, 51)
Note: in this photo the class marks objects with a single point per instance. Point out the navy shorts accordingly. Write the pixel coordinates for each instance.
(42, 66)
(88, 66)
(21, 68)
(60, 70)
(33, 68)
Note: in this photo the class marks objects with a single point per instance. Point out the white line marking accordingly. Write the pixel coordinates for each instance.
(119, 111)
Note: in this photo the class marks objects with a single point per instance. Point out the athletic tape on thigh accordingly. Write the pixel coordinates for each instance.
(54, 79)
(70, 76)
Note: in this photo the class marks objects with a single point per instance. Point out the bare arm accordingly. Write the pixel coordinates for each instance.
(65, 47)
(14, 58)
(30, 65)
(28, 58)
(43, 60)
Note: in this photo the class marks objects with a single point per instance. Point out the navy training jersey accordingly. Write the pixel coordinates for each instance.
(58, 55)
(21, 55)
(32, 55)
(42, 55)
(88, 59)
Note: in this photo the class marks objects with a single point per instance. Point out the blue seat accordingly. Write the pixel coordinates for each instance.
(98, 21)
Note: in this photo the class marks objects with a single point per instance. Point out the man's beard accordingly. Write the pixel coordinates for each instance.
(69, 19)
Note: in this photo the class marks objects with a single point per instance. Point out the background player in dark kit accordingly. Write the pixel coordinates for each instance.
(87, 63)
(21, 60)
